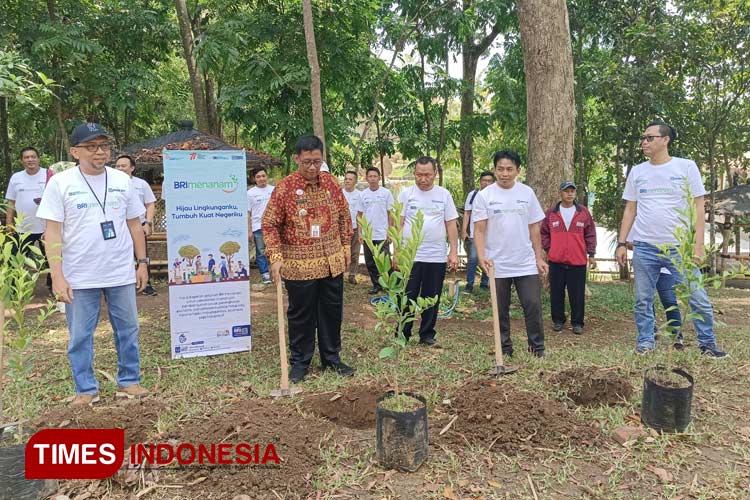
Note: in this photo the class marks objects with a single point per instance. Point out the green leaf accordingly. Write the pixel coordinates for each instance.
(387, 352)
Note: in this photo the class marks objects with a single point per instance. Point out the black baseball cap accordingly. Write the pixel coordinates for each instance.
(567, 184)
(87, 131)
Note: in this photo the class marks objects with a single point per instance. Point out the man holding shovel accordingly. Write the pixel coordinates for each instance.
(307, 230)
(507, 218)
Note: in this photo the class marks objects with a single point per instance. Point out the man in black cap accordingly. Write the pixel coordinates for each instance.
(92, 215)
(569, 239)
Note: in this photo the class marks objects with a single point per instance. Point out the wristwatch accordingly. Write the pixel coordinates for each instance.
(622, 244)
(148, 222)
(144, 261)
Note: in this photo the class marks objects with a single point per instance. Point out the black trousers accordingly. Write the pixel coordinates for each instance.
(30, 239)
(372, 269)
(530, 294)
(562, 276)
(315, 303)
(426, 280)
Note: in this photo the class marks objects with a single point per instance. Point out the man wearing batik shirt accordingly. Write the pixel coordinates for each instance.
(307, 230)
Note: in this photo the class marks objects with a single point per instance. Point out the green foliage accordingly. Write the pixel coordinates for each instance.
(397, 312)
(19, 82)
(18, 277)
(686, 262)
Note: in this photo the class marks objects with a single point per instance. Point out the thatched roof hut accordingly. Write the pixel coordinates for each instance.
(148, 157)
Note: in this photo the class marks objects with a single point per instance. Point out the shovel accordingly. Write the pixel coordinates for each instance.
(500, 368)
(284, 389)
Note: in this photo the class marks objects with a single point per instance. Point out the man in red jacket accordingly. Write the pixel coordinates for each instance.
(569, 238)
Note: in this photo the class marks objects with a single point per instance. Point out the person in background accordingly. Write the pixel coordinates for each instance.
(569, 238)
(257, 199)
(467, 234)
(126, 163)
(354, 198)
(308, 230)
(507, 235)
(24, 194)
(376, 203)
(432, 257)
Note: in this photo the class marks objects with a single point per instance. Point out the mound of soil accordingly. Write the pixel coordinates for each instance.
(591, 387)
(137, 417)
(352, 407)
(507, 420)
(297, 440)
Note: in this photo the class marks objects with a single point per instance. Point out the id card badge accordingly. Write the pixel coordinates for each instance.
(315, 231)
(108, 230)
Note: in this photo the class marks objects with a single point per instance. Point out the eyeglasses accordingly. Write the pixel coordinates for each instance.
(311, 163)
(92, 148)
(650, 138)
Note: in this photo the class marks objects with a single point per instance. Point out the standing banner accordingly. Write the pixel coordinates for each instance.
(207, 251)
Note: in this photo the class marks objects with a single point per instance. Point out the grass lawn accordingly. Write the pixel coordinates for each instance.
(227, 397)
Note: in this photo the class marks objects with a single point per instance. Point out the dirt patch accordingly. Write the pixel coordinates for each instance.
(137, 417)
(588, 386)
(352, 407)
(504, 419)
(297, 440)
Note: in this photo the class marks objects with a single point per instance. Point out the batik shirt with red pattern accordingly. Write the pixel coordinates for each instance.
(295, 214)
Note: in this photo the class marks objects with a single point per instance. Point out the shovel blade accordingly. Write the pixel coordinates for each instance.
(500, 370)
(282, 393)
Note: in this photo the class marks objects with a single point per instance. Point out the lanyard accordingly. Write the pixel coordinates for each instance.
(102, 205)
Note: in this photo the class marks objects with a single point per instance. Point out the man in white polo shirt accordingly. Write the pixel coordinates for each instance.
(507, 224)
(354, 198)
(24, 194)
(432, 258)
(92, 215)
(654, 196)
(257, 199)
(126, 163)
(376, 203)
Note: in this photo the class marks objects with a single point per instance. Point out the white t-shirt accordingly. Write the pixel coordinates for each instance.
(144, 193)
(468, 206)
(658, 190)
(354, 199)
(438, 208)
(567, 214)
(23, 189)
(257, 199)
(508, 213)
(374, 207)
(88, 260)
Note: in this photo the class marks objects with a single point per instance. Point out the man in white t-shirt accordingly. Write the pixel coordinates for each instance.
(507, 234)
(654, 195)
(432, 258)
(93, 224)
(376, 203)
(257, 199)
(126, 163)
(467, 234)
(354, 198)
(24, 194)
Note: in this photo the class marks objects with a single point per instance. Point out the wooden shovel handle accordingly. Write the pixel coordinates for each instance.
(282, 337)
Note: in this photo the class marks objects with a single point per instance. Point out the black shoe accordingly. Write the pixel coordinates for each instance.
(340, 368)
(149, 290)
(712, 351)
(537, 354)
(374, 290)
(469, 289)
(484, 287)
(430, 343)
(298, 374)
(508, 354)
(578, 329)
(557, 327)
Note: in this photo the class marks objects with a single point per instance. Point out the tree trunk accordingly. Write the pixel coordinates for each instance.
(186, 36)
(441, 127)
(550, 113)
(5, 145)
(312, 59)
(712, 203)
(212, 108)
(466, 146)
(56, 99)
(425, 107)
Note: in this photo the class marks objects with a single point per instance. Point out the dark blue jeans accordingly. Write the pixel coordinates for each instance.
(471, 266)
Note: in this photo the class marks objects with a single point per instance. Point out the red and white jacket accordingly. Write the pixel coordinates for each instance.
(571, 246)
